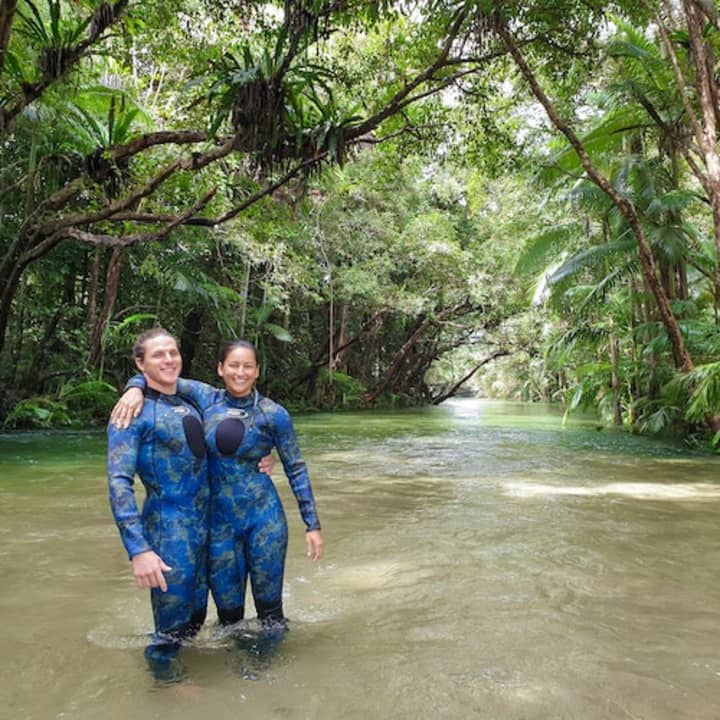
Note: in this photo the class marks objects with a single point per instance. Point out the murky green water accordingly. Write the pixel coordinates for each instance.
(482, 562)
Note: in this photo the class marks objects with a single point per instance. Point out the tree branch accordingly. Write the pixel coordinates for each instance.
(113, 240)
(165, 137)
(70, 57)
(7, 15)
(457, 385)
(88, 218)
(396, 103)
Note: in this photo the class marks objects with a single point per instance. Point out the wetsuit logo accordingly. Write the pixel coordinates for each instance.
(180, 410)
(238, 412)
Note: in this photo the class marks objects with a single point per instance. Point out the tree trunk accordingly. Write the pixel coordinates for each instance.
(9, 282)
(705, 132)
(16, 351)
(341, 337)
(397, 361)
(92, 301)
(680, 354)
(615, 378)
(33, 372)
(23, 251)
(706, 85)
(321, 359)
(192, 326)
(245, 296)
(112, 285)
(7, 15)
(391, 374)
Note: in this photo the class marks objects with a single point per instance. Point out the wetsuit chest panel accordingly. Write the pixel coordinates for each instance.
(194, 435)
(233, 433)
(169, 427)
(168, 464)
(229, 435)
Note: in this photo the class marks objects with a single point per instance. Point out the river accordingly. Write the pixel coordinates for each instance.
(481, 561)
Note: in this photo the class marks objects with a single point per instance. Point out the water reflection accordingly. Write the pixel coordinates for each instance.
(647, 491)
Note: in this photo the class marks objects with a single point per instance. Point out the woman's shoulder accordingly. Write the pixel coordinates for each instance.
(272, 409)
(268, 405)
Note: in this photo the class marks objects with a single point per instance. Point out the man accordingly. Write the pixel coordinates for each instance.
(167, 542)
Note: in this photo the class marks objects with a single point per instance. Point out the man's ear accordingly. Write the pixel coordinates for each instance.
(139, 364)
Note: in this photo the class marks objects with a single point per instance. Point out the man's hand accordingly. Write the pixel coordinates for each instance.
(266, 464)
(314, 544)
(129, 406)
(148, 568)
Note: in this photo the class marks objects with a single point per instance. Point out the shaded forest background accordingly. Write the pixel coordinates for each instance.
(397, 201)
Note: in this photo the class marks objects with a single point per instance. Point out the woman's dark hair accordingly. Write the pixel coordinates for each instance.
(227, 348)
(139, 346)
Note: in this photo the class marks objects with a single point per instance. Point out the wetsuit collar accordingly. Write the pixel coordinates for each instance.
(154, 394)
(249, 401)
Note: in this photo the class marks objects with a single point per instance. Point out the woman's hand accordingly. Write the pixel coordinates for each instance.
(129, 406)
(314, 544)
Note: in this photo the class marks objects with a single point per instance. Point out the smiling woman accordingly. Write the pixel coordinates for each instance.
(239, 368)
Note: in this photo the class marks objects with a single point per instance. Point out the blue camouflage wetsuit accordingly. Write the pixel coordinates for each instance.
(165, 447)
(248, 528)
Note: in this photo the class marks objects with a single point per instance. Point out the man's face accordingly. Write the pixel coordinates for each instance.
(162, 363)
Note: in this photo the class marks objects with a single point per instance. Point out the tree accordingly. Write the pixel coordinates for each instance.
(273, 117)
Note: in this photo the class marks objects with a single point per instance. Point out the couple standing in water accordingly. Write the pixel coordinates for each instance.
(212, 516)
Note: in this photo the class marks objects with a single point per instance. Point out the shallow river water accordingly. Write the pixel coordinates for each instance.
(482, 562)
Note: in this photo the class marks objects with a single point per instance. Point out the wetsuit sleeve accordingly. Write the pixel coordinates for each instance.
(295, 467)
(199, 393)
(123, 448)
(136, 381)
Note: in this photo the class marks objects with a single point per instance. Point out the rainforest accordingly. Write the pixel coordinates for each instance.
(397, 202)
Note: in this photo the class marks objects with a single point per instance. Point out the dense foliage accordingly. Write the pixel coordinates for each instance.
(395, 201)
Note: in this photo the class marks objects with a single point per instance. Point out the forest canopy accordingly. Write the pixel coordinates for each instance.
(397, 201)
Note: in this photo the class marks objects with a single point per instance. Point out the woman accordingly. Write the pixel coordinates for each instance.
(248, 529)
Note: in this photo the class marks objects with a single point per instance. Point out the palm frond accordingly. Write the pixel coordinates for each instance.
(534, 256)
(598, 255)
(703, 386)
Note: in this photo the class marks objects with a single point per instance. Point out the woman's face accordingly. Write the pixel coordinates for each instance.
(239, 371)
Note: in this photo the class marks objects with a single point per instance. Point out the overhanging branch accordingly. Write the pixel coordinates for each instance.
(70, 58)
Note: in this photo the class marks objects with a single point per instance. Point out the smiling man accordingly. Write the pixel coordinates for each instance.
(167, 541)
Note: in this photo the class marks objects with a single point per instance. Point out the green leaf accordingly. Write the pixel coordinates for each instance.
(278, 332)
(537, 249)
